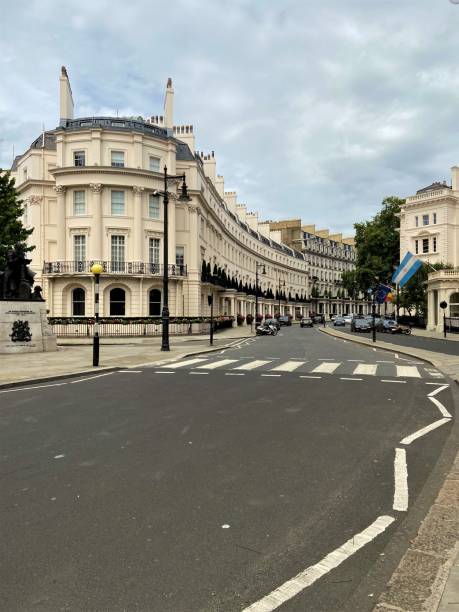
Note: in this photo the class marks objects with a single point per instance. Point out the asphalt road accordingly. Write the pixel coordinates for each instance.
(205, 486)
(438, 345)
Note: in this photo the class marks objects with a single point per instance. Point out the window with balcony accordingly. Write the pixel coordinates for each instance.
(154, 163)
(117, 302)
(425, 219)
(425, 245)
(79, 248)
(79, 158)
(179, 256)
(153, 254)
(78, 302)
(79, 204)
(117, 203)
(117, 159)
(155, 303)
(153, 206)
(117, 248)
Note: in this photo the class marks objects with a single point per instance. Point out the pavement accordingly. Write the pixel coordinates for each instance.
(217, 482)
(74, 356)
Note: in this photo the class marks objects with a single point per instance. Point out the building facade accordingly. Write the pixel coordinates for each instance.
(90, 192)
(429, 228)
(328, 256)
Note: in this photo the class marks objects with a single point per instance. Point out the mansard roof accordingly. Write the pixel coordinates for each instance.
(433, 187)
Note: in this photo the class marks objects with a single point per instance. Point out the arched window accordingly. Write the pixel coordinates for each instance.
(155, 303)
(78, 302)
(117, 302)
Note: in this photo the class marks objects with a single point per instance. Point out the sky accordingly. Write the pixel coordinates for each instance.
(316, 109)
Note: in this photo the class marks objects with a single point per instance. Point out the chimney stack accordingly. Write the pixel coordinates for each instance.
(65, 97)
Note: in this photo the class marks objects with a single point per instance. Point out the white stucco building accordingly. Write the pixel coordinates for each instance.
(88, 188)
(429, 228)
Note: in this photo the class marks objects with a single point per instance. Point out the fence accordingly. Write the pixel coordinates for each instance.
(452, 325)
(79, 327)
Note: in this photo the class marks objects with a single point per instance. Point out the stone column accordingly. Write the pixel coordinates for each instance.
(96, 240)
(61, 223)
(137, 234)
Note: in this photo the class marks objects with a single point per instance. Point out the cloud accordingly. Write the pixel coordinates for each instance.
(314, 109)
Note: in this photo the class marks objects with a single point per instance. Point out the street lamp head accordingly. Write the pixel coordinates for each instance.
(97, 269)
(184, 197)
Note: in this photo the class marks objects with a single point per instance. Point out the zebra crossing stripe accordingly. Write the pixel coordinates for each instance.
(252, 364)
(182, 364)
(408, 371)
(288, 366)
(366, 368)
(327, 367)
(216, 364)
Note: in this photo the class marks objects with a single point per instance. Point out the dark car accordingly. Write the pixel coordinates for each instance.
(339, 322)
(284, 320)
(306, 322)
(274, 322)
(360, 325)
(318, 318)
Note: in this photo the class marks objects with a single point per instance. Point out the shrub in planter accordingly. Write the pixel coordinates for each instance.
(259, 318)
(249, 319)
(268, 316)
(240, 319)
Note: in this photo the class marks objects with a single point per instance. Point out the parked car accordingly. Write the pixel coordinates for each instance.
(339, 322)
(392, 327)
(318, 318)
(333, 317)
(285, 320)
(348, 319)
(360, 325)
(306, 322)
(274, 322)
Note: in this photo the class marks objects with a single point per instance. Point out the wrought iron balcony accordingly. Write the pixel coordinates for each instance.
(112, 267)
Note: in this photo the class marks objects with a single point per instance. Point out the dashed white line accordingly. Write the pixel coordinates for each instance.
(200, 373)
(385, 361)
(305, 376)
(234, 374)
(301, 581)
(344, 378)
(272, 375)
(400, 481)
(129, 371)
(393, 381)
(424, 431)
(163, 372)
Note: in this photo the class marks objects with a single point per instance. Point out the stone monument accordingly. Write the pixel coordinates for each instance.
(24, 326)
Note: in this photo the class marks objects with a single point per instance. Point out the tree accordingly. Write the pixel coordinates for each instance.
(377, 243)
(11, 229)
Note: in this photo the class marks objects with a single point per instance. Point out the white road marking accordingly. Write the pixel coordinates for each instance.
(270, 375)
(355, 360)
(326, 367)
(343, 378)
(182, 364)
(408, 371)
(400, 481)
(437, 375)
(253, 364)
(394, 381)
(396, 356)
(233, 374)
(432, 383)
(35, 387)
(424, 431)
(385, 361)
(164, 372)
(216, 364)
(440, 406)
(200, 373)
(310, 376)
(288, 366)
(366, 368)
(129, 371)
(301, 581)
(442, 388)
(73, 382)
(326, 359)
(59, 456)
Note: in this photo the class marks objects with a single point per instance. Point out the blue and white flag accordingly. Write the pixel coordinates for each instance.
(408, 266)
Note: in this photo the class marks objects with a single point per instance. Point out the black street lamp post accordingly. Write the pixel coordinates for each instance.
(443, 305)
(281, 285)
(184, 197)
(257, 265)
(210, 301)
(97, 270)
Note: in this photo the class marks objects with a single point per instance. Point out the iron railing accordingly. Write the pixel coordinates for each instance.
(112, 267)
(83, 327)
(452, 325)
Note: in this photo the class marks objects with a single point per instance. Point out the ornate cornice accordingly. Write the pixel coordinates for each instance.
(138, 190)
(95, 187)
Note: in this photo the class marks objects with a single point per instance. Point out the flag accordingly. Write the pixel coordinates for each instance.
(408, 266)
(381, 293)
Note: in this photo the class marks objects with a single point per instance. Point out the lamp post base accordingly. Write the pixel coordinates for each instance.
(165, 336)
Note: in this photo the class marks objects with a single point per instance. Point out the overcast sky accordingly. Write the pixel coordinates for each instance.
(315, 108)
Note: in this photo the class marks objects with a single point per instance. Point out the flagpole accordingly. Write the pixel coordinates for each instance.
(397, 308)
